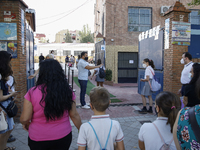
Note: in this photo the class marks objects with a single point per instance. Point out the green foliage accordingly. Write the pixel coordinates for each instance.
(68, 38)
(89, 86)
(108, 75)
(86, 35)
(194, 3)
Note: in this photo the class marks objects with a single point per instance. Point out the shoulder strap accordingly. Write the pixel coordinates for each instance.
(161, 135)
(108, 135)
(97, 136)
(194, 124)
(152, 72)
(3, 107)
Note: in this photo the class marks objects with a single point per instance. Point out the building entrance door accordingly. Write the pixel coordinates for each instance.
(127, 67)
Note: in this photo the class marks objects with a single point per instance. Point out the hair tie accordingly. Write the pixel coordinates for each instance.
(173, 107)
(149, 59)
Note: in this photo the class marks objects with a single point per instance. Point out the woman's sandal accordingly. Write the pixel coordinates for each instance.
(10, 148)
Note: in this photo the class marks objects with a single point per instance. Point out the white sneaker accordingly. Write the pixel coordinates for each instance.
(85, 107)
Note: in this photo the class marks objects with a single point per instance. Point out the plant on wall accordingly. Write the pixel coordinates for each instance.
(108, 75)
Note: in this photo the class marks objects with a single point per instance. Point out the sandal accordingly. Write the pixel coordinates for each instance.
(10, 148)
(11, 139)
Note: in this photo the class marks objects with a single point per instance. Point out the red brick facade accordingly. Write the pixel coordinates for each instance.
(116, 28)
(116, 20)
(173, 55)
(19, 63)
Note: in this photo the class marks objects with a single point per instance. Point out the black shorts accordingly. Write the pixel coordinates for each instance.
(60, 144)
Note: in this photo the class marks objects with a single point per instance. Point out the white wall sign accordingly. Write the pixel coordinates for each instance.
(181, 33)
(150, 33)
(131, 61)
(167, 33)
(103, 48)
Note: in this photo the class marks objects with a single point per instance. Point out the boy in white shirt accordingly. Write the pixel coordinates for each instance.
(100, 132)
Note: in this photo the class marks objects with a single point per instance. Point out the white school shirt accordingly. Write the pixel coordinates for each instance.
(148, 72)
(101, 124)
(82, 72)
(10, 83)
(150, 136)
(185, 73)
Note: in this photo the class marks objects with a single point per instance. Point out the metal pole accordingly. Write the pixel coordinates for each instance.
(72, 78)
(65, 68)
(68, 74)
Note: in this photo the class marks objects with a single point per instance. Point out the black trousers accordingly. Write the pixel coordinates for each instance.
(183, 89)
(60, 144)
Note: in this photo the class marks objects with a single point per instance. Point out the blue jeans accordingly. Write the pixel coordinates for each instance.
(83, 85)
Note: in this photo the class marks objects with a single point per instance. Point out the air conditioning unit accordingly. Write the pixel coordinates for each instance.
(164, 9)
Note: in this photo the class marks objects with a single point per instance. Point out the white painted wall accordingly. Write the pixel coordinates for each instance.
(44, 48)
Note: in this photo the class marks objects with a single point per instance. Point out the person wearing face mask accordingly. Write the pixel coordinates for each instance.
(146, 91)
(83, 67)
(187, 60)
(52, 53)
(190, 95)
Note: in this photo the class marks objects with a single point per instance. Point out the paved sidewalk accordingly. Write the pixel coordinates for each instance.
(130, 127)
(127, 116)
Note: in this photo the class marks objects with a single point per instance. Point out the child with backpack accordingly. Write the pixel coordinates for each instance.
(100, 74)
(100, 133)
(158, 135)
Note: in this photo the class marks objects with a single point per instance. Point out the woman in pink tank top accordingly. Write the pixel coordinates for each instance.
(47, 108)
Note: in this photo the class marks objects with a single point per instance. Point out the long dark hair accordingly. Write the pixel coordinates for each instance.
(196, 70)
(5, 66)
(151, 63)
(170, 105)
(198, 87)
(99, 62)
(56, 92)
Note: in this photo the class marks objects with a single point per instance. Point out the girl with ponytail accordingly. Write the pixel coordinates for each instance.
(158, 135)
(148, 64)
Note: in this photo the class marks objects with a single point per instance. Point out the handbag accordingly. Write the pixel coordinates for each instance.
(155, 86)
(194, 124)
(3, 123)
(89, 73)
(11, 109)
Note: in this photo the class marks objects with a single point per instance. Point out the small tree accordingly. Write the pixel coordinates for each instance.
(86, 35)
(108, 75)
(68, 38)
(194, 3)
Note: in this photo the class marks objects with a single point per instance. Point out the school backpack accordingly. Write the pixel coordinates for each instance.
(164, 146)
(102, 73)
(66, 59)
(98, 137)
(155, 85)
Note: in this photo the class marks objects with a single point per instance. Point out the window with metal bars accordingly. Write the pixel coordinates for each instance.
(139, 19)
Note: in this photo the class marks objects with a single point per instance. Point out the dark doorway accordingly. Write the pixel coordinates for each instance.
(127, 67)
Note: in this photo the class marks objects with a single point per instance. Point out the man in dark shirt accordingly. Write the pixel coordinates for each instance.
(41, 58)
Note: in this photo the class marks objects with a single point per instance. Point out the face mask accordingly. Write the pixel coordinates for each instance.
(86, 58)
(144, 65)
(190, 76)
(182, 61)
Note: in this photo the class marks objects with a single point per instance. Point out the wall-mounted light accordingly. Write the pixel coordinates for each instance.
(112, 40)
(98, 11)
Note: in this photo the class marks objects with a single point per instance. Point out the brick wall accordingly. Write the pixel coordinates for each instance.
(173, 55)
(19, 63)
(116, 26)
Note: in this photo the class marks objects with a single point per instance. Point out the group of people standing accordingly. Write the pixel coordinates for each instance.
(174, 127)
(83, 68)
(49, 106)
